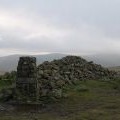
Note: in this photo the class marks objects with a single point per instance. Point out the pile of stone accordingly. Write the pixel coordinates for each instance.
(52, 76)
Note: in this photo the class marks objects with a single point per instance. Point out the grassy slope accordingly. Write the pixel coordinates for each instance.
(88, 100)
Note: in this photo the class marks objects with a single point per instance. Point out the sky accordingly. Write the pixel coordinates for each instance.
(59, 26)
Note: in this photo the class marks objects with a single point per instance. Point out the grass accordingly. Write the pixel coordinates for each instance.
(87, 100)
(5, 84)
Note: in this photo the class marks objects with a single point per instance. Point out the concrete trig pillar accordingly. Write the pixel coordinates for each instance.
(26, 82)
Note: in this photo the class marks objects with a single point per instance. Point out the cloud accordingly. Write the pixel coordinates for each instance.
(81, 27)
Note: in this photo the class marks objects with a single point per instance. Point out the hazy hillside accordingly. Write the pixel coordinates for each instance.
(107, 60)
(9, 63)
(117, 68)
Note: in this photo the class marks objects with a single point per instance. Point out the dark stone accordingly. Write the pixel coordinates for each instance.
(26, 82)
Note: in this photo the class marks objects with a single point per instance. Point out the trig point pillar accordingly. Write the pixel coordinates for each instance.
(26, 82)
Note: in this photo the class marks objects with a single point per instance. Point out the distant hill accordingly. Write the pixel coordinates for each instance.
(117, 68)
(106, 60)
(9, 63)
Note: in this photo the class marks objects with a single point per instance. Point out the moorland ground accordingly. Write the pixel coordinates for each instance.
(86, 100)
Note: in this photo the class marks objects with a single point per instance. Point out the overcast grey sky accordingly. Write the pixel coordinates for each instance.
(64, 26)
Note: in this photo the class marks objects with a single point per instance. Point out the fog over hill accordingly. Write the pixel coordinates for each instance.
(106, 60)
(9, 63)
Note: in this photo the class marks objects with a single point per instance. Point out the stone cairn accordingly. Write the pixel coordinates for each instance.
(26, 82)
(53, 76)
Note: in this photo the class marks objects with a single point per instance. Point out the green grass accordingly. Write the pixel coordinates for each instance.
(87, 100)
(5, 83)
